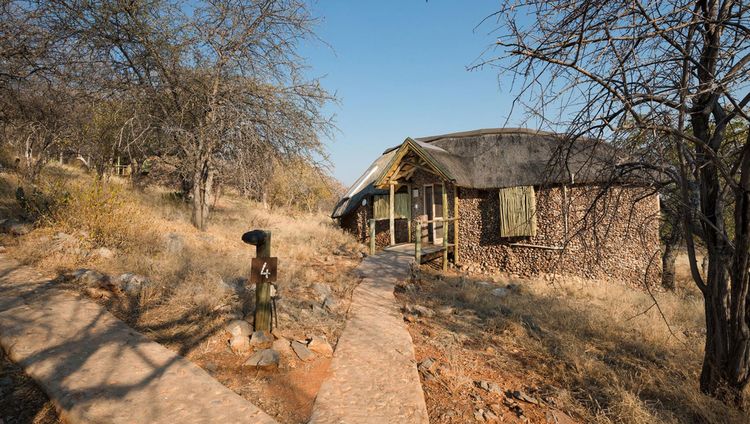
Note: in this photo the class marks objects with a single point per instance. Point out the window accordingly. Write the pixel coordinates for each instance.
(401, 206)
(517, 212)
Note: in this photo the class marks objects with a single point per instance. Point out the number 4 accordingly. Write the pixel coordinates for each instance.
(264, 271)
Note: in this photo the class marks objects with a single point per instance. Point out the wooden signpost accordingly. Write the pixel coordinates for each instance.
(263, 272)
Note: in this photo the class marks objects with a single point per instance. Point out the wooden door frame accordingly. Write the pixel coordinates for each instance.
(432, 232)
(434, 217)
(430, 227)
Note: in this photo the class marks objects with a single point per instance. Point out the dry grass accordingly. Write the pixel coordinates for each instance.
(21, 400)
(197, 279)
(602, 350)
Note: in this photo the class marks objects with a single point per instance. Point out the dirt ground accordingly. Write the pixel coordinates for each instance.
(287, 393)
(21, 400)
(503, 349)
(466, 357)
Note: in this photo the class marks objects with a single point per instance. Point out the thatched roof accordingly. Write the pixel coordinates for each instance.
(494, 158)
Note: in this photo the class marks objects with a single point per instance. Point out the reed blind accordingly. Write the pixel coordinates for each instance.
(401, 206)
(517, 212)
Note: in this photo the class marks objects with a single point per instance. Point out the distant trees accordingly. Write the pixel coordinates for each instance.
(207, 86)
(675, 75)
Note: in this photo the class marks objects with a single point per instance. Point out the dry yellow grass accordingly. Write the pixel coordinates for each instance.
(604, 347)
(191, 271)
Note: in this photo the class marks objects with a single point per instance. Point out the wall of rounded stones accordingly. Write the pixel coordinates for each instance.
(611, 234)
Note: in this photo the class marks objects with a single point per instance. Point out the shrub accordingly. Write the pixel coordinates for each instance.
(100, 210)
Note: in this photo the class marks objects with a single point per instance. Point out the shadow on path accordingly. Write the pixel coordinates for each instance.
(97, 369)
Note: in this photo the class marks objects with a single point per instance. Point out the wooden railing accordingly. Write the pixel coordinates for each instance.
(419, 224)
(418, 238)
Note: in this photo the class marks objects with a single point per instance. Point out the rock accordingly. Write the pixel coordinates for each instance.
(282, 346)
(490, 386)
(513, 406)
(500, 292)
(239, 344)
(420, 310)
(239, 331)
(524, 397)
(239, 328)
(132, 283)
(211, 367)
(263, 358)
(95, 279)
(302, 351)
(428, 365)
(320, 346)
(330, 303)
(3, 249)
(479, 415)
(174, 243)
(103, 253)
(261, 340)
(322, 291)
(489, 416)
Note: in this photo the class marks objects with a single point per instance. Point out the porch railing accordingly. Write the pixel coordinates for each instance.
(418, 239)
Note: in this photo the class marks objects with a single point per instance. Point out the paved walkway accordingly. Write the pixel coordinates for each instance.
(96, 369)
(374, 377)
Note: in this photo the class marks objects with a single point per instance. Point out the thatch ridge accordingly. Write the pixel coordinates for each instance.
(493, 158)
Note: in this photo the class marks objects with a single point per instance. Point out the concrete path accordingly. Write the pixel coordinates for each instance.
(96, 369)
(374, 377)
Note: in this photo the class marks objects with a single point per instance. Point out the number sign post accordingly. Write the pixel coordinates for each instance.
(262, 274)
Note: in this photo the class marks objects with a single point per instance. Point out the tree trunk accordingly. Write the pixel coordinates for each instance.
(202, 185)
(667, 264)
(724, 374)
(671, 247)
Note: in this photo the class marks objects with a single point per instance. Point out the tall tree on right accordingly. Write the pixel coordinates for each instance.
(675, 73)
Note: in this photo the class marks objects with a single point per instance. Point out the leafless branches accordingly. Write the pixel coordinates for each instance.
(666, 83)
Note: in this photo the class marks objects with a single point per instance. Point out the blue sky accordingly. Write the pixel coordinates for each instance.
(399, 69)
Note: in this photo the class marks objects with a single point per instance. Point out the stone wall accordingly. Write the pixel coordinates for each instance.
(615, 238)
(356, 223)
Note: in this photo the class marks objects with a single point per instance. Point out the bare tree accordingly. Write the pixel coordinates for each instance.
(230, 81)
(676, 73)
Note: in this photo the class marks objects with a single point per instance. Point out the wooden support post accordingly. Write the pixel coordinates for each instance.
(372, 236)
(262, 317)
(455, 224)
(418, 241)
(408, 217)
(391, 212)
(445, 227)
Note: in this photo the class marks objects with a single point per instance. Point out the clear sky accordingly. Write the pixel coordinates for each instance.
(399, 68)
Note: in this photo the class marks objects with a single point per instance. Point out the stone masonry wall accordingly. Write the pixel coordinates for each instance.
(357, 224)
(617, 239)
